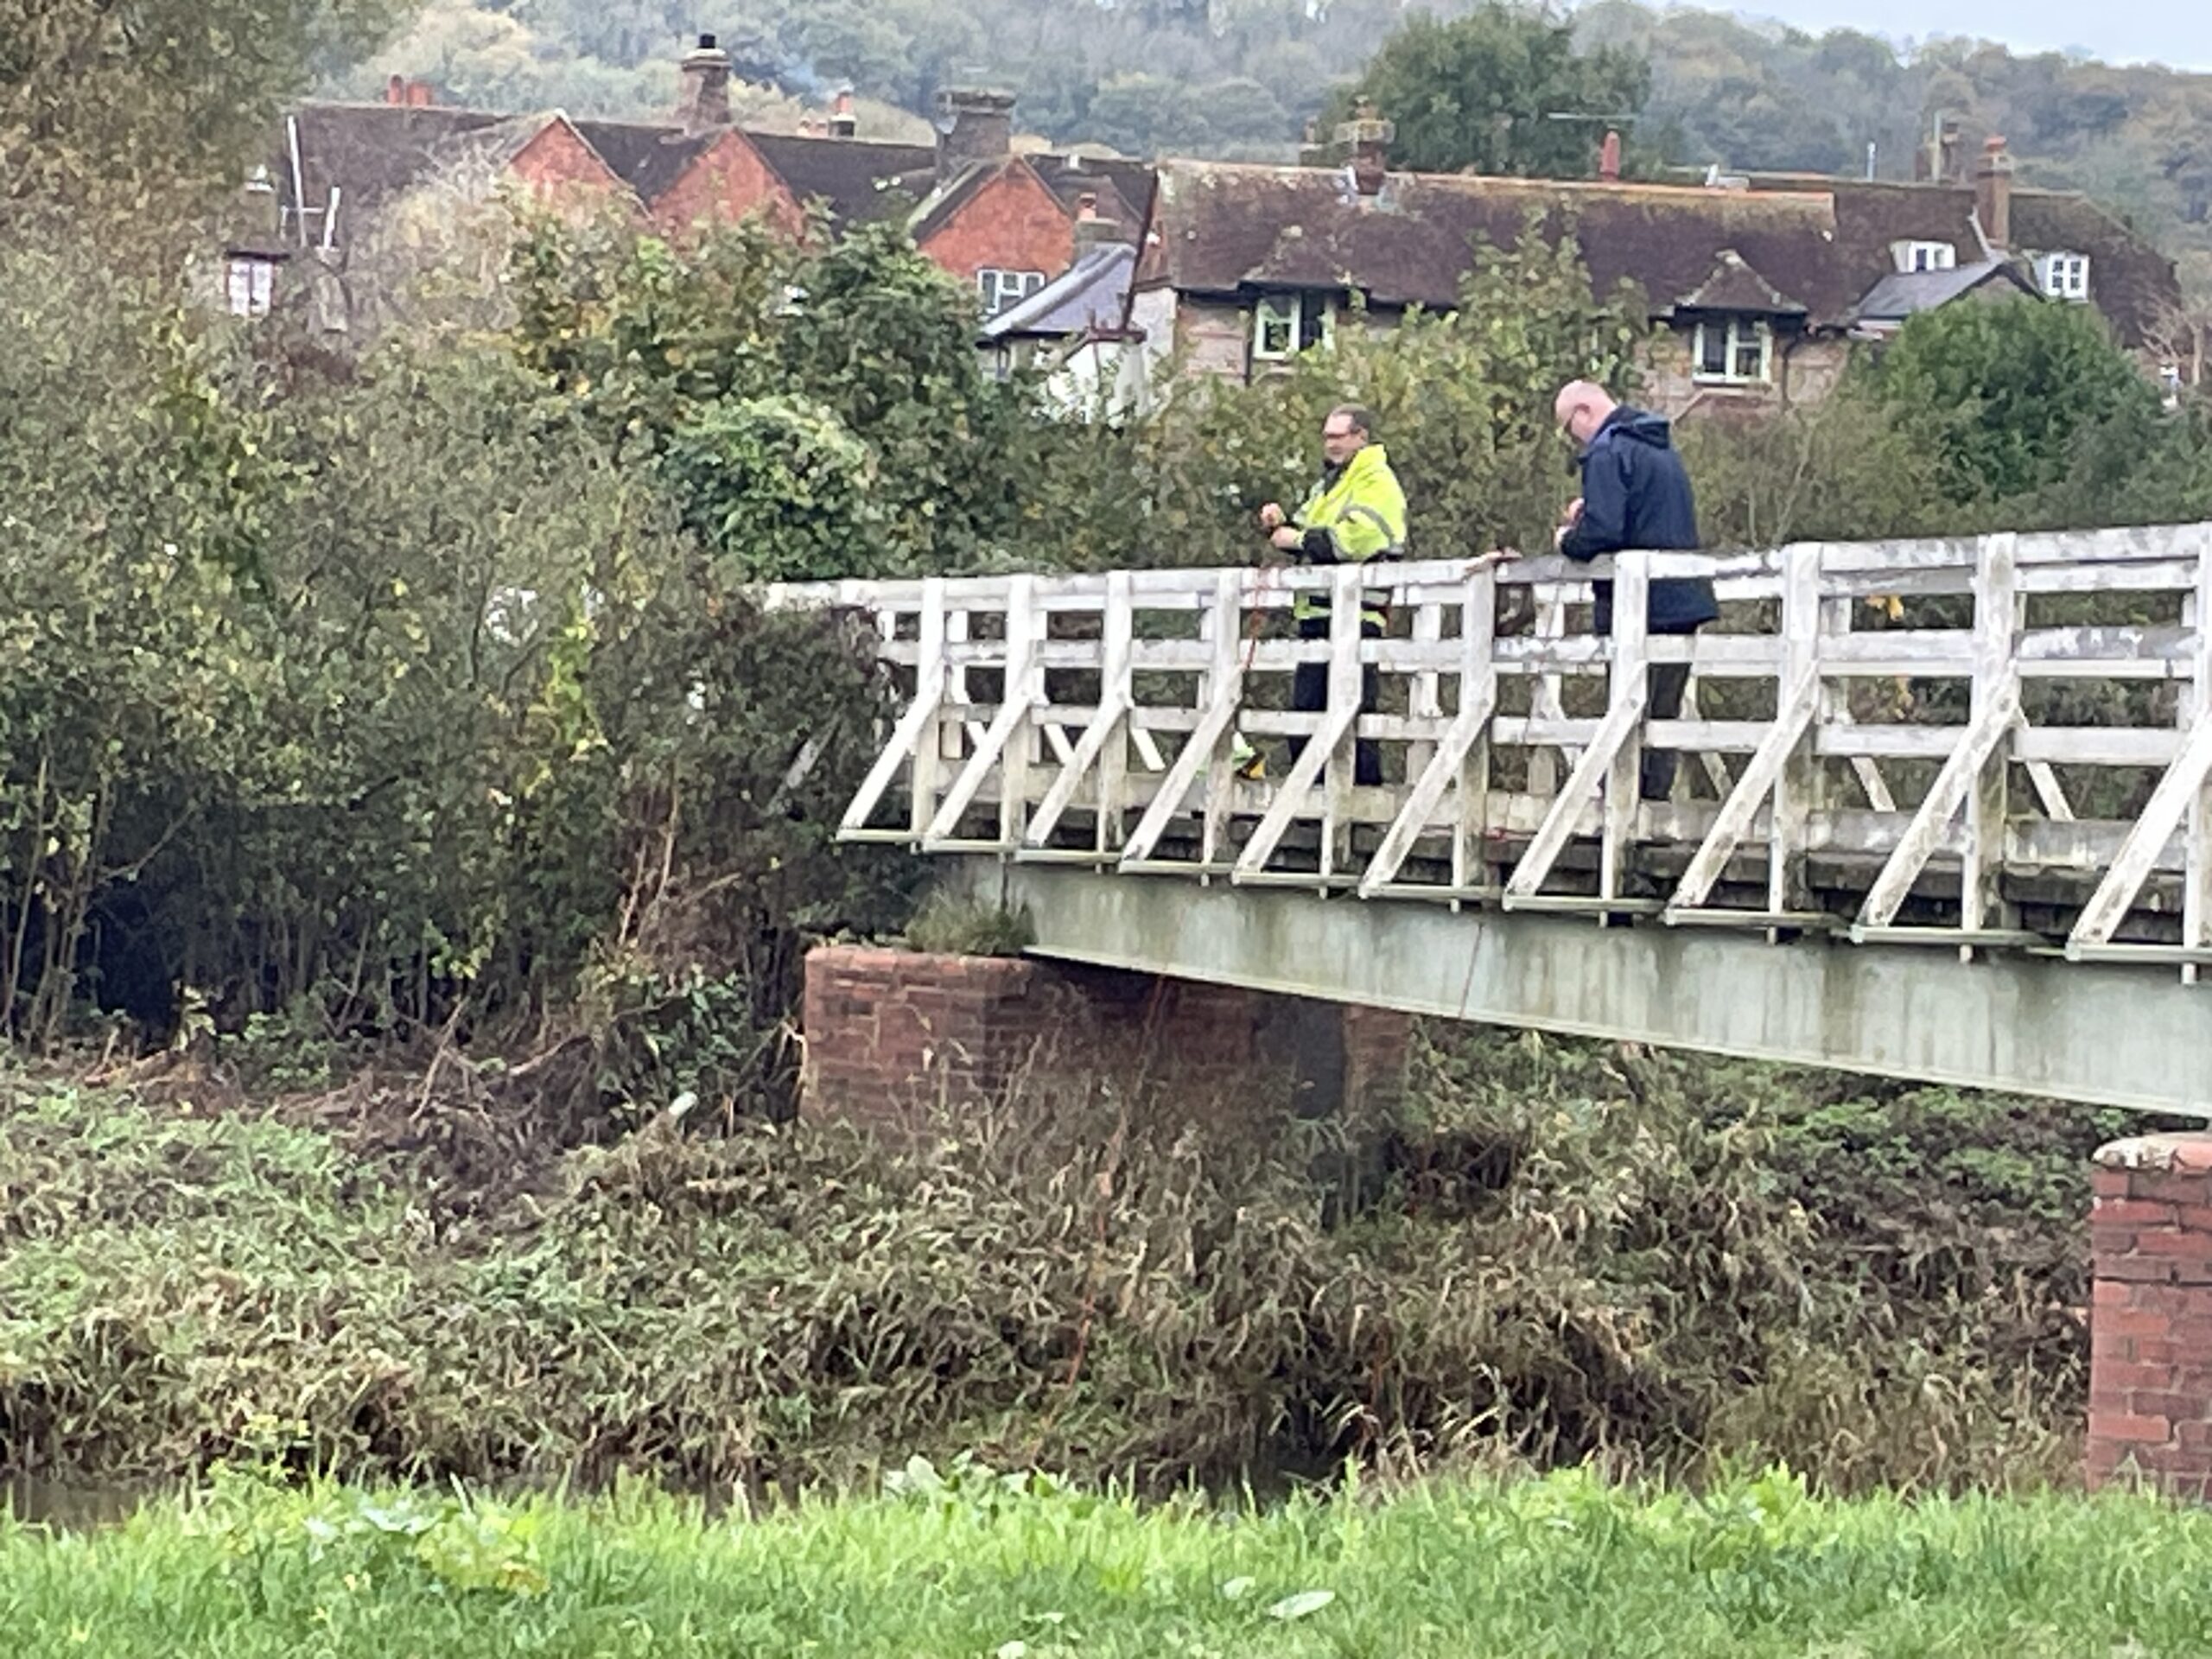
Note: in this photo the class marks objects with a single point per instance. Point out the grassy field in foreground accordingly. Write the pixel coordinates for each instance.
(975, 1564)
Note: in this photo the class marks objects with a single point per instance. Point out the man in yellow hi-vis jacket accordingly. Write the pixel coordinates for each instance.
(1354, 513)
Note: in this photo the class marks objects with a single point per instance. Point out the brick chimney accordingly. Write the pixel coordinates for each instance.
(1091, 228)
(1368, 136)
(395, 90)
(843, 123)
(703, 92)
(978, 127)
(1609, 158)
(1992, 194)
(1311, 152)
(421, 95)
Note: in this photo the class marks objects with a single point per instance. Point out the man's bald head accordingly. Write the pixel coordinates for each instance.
(1581, 408)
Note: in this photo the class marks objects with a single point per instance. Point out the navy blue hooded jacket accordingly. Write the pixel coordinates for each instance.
(1636, 494)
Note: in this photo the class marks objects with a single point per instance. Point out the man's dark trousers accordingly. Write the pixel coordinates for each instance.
(1664, 687)
(1309, 694)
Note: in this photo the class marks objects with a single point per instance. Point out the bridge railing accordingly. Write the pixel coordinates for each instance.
(1994, 743)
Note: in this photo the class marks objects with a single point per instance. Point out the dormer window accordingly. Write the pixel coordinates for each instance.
(1000, 288)
(2063, 275)
(1284, 325)
(1925, 256)
(1734, 352)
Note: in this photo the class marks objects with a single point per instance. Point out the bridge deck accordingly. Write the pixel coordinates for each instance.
(2013, 759)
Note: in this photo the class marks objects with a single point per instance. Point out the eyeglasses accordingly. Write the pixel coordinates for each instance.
(1336, 432)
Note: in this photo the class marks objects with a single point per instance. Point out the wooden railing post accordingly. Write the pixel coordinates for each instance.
(1116, 690)
(1996, 684)
(1628, 687)
(936, 633)
(1796, 788)
(2195, 708)
(1344, 682)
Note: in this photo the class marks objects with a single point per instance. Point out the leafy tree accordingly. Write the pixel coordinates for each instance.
(2004, 393)
(115, 105)
(1481, 92)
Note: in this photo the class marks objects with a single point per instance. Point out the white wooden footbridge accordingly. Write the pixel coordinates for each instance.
(1944, 810)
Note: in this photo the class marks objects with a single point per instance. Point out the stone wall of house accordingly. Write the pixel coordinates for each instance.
(1806, 370)
(2150, 1314)
(892, 1034)
(1213, 336)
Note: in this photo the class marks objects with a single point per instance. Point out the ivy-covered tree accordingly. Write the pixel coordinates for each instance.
(1502, 89)
(2005, 393)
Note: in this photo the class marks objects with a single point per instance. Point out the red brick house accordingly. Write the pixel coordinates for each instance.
(1002, 221)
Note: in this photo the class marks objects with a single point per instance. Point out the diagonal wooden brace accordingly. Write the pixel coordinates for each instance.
(1983, 740)
(1792, 721)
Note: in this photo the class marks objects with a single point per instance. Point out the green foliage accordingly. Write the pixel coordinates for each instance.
(391, 689)
(115, 108)
(2003, 393)
(778, 487)
(1480, 91)
(818, 411)
(967, 928)
(1023, 1567)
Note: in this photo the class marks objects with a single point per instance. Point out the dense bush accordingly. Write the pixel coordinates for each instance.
(1655, 1262)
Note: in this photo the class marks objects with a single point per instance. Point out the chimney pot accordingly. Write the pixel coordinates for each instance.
(1992, 194)
(1091, 229)
(702, 94)
(395, 90)
(979, 127)
(1368, 136)
(1609, 157)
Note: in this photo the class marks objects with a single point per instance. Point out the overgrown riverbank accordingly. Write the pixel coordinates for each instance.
(1573, 1252)
(1022, 1569)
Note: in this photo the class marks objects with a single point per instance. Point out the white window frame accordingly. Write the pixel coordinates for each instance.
(249, 285)
(1736, 334)
(1926, 256)
(1287, 311)
(2063, 275)
(999, 289)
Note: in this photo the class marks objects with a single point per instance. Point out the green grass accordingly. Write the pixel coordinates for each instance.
(1022, 1568)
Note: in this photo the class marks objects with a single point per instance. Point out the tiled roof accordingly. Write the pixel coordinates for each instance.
(2130, 281)
(371, 151)
(647, 156)
(859, 180)
(1734, 286)
(1788, 245)
(1224, 228)
(1906, 293)
(376, 150)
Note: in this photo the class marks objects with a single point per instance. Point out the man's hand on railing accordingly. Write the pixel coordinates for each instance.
(1271, 516)
(1493, 559)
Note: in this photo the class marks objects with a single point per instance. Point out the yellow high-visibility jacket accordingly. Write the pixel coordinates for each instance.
(1350, 516)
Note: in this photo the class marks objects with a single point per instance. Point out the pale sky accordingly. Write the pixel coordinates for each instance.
(2175, 32)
